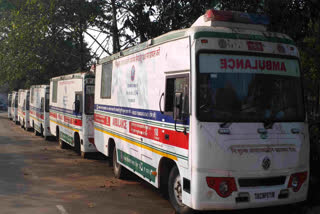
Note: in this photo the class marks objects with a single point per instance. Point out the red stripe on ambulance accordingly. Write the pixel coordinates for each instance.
(164, 136)
(54, 115)
(105, 120)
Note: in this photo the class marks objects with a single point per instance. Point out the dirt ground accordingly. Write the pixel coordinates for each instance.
(37, 177)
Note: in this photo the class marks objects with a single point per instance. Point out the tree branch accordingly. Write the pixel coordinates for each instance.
(97, 42)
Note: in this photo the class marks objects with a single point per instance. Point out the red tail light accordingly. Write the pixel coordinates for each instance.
(223, 186)
(91, 140)
(296, 180)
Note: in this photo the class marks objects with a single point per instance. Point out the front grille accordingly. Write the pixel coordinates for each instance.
(256, 182)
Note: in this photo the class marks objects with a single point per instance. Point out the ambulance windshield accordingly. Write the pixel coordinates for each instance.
(248, 89)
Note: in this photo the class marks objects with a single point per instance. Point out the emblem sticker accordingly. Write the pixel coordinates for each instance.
(133, 72)
(266, 163)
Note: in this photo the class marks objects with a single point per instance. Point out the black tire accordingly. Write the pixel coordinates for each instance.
(77, 146)
(25, 126)
(41, 129)
(84, 155)
(36, 133)
(110, 159)
(57, 134)
(175, 192)
(62, 144)
(47, 138)
(118, 170)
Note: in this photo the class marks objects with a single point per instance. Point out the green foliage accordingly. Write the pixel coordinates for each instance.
(42, 39)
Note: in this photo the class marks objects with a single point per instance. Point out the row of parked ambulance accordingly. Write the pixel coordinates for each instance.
(30, 109)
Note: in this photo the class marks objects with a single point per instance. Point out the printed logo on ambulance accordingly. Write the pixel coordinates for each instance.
(133, 72)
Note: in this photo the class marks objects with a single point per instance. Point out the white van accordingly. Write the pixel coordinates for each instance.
(71, 111)
(39, 110)
(14, 107)
(9, 105)
(23, 108)
(213, 114)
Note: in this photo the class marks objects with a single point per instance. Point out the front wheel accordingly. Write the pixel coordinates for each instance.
(175, 192)
(84, 155)
(62, 144)
(36, 133)
(118, 170)
(77, 145)
(42, 131)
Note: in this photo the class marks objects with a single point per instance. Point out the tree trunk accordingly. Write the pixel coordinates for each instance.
(115, 30)
(81, 38)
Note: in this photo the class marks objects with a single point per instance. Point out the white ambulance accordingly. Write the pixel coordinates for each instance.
(9, 105)
(212, 114)
(71, 111)
(14, 107)
(23, 108)
(39, 110)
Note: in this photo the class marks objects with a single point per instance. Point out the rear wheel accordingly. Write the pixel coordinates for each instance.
(111, 148)
(42, 132)
(25, 126)
(77, 145)
(36, 133)
(118, 170)
(175, 192)
(62, 144)
(46, 137)
(84, 155)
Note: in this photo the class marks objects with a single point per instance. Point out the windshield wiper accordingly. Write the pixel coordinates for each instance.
(227, 122)
(268, 122)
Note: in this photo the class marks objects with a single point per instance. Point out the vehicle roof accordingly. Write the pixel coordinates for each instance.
(40, 86)
(231, 31)
(79, 75)
(23, 90)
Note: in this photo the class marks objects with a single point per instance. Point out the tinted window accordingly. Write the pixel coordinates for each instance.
(106, 80)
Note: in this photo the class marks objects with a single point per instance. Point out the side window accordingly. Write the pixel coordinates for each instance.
(16, 101)
(106, 80)
(78, 103)
(54, 91)
(176, 85)
(41, 104)
(32, 94)
(9, 101)
(169, 95)
(47, 102)
(28, 104)
(24, 105)
(89, 100)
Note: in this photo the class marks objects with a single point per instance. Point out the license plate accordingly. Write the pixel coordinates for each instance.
(264, 195)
